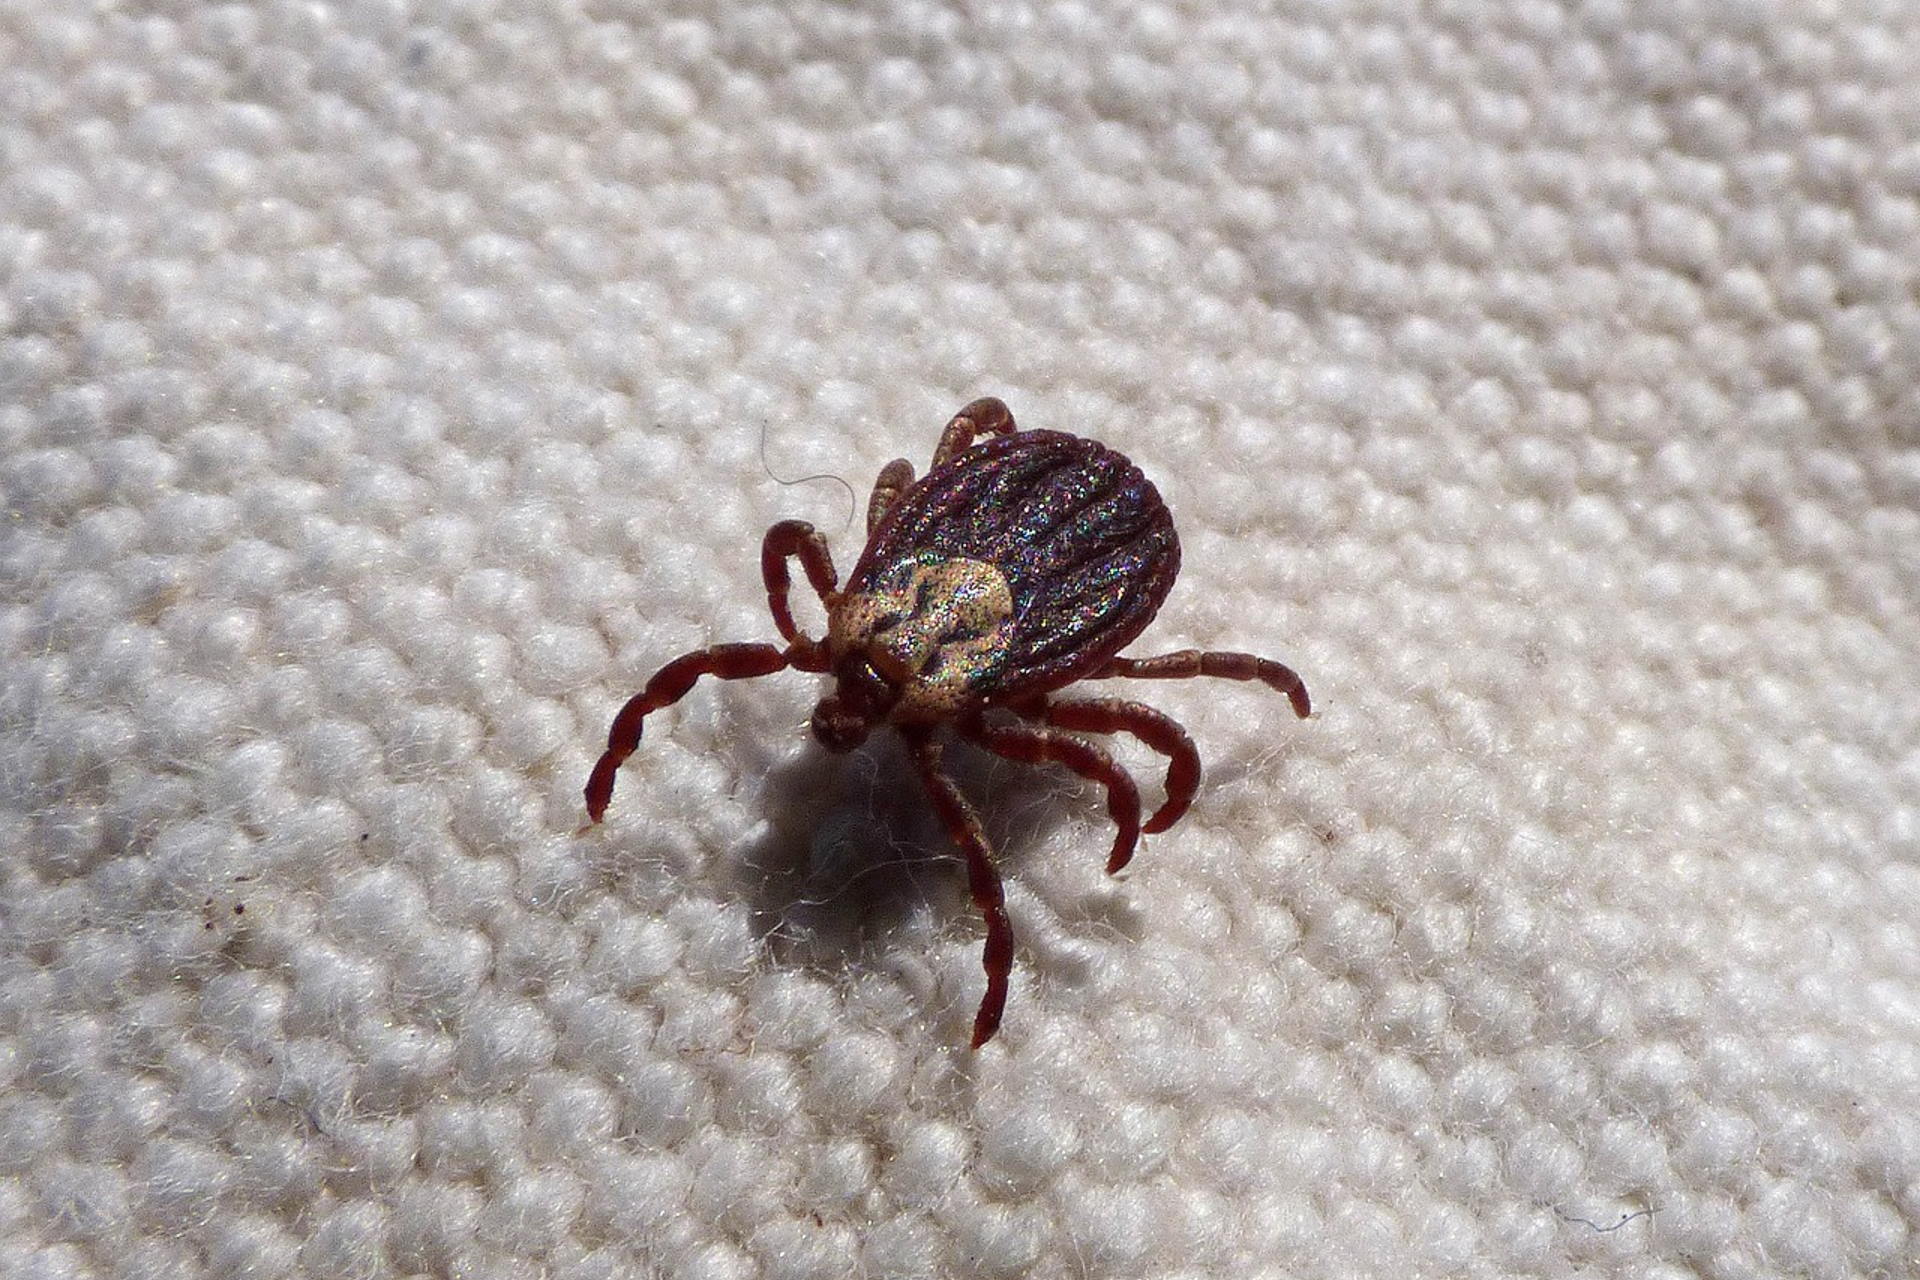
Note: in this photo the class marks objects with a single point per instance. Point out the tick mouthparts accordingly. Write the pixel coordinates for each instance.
(837, 726)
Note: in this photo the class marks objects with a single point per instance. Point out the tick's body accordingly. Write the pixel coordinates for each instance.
(1017, 566)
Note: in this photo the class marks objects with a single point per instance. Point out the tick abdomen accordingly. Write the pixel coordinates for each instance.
(1080, 536)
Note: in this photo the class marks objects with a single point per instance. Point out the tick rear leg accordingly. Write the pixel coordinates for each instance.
(668, 686)
(1227, 666)
(1035, 744)
(893, 481)
(983, 879)
(791, 538)
(1157, 730)
(987, 416)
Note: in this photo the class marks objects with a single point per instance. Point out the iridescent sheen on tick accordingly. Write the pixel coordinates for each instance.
(1081, 537)
(1019, 565)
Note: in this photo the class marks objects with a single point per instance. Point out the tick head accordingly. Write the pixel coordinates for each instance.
(860, 699)
(918, 647)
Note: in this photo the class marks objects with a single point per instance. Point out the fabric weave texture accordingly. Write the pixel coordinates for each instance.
(387, 389)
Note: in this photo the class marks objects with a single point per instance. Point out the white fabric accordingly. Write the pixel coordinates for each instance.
(386, 391)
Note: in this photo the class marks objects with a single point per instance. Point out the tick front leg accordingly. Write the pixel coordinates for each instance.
(1227, 666)
(668, 686)
(787, 539)
(893, 481)
(1035, 745)
(987, 416)
(983, 879)
(1157, 730)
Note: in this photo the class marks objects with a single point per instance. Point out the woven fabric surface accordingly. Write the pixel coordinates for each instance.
(386, 390)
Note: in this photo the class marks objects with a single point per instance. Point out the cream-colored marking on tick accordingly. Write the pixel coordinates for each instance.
(929, 628)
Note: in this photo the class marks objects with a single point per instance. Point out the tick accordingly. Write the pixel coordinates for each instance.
(1022, 563)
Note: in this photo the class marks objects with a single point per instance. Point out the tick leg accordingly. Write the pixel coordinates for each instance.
(983, 880)
(1159, 731)
(1227, 666)
(1035, 745)
(892, 482)
(668, 686)
(795, 538)
(987, 416)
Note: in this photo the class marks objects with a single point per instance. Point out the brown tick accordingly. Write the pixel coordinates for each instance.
(1019, 565)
